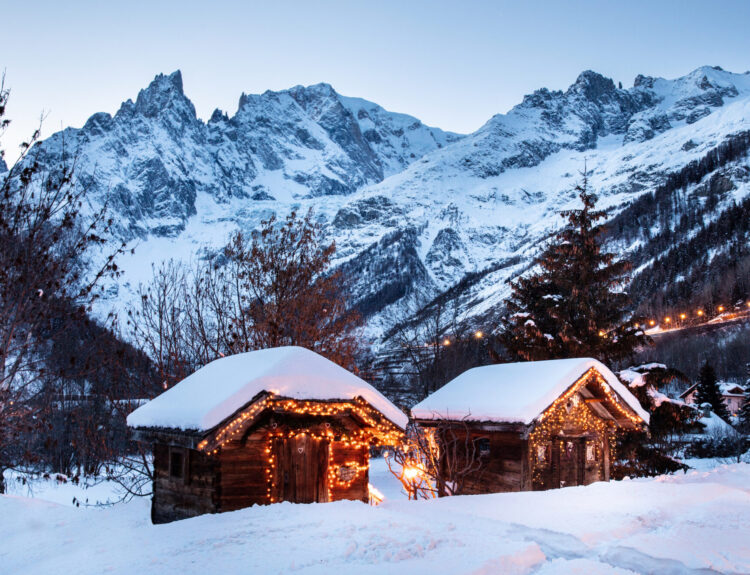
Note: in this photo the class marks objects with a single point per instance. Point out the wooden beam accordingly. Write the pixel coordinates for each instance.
(473, 425)
(168, 437)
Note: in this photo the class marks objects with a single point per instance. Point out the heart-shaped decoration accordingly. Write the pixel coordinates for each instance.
(301, 449)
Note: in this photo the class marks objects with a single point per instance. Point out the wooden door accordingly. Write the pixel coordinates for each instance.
(302, 469)
(569, 461)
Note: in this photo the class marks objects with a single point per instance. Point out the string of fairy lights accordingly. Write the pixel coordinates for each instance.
(334, 480)
(234, 427)
(340, 476)
(571, 409)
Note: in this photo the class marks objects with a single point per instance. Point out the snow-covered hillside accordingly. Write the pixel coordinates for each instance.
(684, 524)
(410, 207)
(496, 193)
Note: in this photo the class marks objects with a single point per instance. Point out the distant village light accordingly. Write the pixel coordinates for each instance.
(446, 341)
(478, 335)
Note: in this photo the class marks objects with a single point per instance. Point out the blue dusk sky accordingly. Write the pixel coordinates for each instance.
(451, 64)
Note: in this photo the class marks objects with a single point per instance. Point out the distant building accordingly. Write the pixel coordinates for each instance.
(534, 425)
(272, 425)
(733, 395)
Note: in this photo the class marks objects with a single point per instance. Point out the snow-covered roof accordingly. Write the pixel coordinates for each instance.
(514, 392)
(729, 388)
(216, 391)
(726, 388)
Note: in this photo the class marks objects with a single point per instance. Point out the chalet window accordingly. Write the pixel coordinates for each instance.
(570, 449)
(541, 454)
(590, 452)
(483, 445)
(176, 464)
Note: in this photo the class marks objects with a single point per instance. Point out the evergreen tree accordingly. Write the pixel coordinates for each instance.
(708, 391)
(574, 305)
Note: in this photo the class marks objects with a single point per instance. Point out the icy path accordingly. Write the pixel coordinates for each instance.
(686, 524)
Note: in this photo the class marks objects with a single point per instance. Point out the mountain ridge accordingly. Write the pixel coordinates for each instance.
(413, 209)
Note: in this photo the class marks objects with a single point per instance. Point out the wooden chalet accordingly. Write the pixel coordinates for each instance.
(533, 425)
(272, 425)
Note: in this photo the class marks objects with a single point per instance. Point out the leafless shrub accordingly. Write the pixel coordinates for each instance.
(436, 461)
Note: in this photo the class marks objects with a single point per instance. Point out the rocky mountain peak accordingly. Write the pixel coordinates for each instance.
(593, 85)
(163, 93)
(642, 81)
(303, 94)
(218, 115)
(322, 103)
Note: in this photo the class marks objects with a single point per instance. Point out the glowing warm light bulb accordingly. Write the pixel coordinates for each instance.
(721, 308)
(700, 312)
(652, 323)
(478, 335)
(683, 316)
(410, 472)
(667, 319)
(601, 333)
(446, 341)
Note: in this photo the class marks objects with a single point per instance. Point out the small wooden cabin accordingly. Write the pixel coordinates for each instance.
(532, 425)
(272, 425)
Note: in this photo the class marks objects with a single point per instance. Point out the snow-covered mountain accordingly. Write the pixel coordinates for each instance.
(154, 157)
(412, 208)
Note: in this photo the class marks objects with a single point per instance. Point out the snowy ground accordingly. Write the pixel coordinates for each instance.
(688, 523)
(57, 488)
